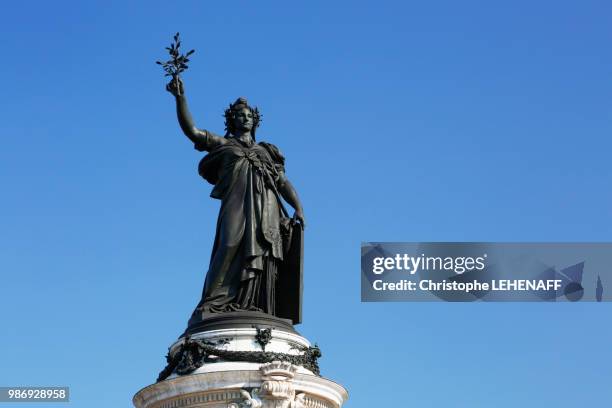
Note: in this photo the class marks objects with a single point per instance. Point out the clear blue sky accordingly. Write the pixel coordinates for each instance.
(401, 121)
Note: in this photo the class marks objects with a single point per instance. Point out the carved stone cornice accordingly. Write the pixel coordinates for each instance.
(275, 384)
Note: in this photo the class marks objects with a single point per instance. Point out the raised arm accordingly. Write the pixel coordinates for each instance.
(202, 139)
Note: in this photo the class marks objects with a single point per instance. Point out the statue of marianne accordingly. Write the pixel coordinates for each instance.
(249, 179)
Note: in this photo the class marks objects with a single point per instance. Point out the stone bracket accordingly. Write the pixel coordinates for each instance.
(276, 391)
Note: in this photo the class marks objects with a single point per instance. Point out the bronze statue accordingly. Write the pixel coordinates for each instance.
(254, 265)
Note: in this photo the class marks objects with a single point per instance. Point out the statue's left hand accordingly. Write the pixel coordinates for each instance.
(299, 216)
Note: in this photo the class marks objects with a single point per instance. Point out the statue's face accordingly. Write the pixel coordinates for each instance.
(243, 120)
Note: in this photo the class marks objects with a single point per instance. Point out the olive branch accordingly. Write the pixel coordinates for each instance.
(177, 62)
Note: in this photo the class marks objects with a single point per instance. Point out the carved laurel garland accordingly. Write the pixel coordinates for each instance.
(192, 354)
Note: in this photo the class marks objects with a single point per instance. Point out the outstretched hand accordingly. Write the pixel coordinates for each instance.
(175, 86)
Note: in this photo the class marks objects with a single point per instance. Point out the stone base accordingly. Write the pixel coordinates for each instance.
(273, 385)
(239, 361)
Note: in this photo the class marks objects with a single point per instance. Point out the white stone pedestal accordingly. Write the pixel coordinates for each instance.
(274, 385)
(219, 383)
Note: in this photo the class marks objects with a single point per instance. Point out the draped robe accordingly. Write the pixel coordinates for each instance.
(247, 250)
